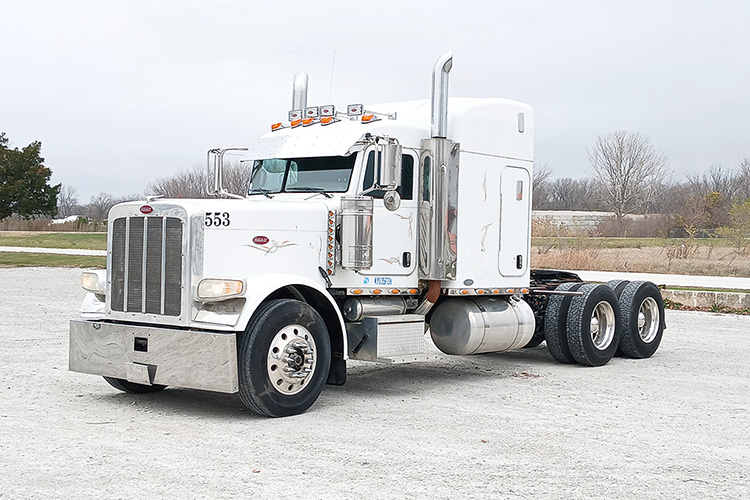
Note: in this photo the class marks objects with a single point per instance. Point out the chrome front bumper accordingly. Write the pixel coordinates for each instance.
(148, 355)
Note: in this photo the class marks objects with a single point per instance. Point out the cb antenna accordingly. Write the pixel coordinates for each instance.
(333, 65)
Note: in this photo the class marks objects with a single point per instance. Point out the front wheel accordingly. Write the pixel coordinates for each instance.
(283, 357)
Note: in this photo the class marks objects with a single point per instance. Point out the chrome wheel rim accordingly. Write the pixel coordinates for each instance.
(648, 320)
(602, 325)
(291, 359)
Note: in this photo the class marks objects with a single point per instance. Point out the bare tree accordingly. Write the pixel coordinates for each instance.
(67, 201)
(540, 186)
(100, 205)
(627, 168)
(573, 194)
(194, 183)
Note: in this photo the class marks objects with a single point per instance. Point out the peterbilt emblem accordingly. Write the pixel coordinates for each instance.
(146, 209)
(260, 240)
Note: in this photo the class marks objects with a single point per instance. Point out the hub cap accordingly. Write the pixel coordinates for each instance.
(602, 326)
(291, 359)
(648, 320)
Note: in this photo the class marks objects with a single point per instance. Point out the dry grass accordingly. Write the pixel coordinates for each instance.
(674, 258)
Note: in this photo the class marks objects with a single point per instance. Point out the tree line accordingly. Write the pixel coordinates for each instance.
(627, 176)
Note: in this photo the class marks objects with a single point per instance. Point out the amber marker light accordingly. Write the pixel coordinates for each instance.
(395, 290)
(509, 290)
(464, 292)
(524, 290)
(296, 123)
(495, 290)
(480, 292)
(357, 292)
(308, 121)
(377, 291)
(276, 126)
(413, 291)
(367, 118)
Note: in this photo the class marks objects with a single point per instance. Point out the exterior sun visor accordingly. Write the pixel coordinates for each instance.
(307, 143)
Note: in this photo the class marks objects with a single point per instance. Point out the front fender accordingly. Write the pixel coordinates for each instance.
(265, 286)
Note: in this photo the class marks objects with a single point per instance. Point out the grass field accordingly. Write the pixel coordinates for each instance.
(87, 241)
(708, 257)
(16, 259)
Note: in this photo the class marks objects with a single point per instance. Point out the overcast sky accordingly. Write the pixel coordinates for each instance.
(123, 92)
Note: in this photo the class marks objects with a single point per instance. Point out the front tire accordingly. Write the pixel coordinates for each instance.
(283, 358)
(133, 388)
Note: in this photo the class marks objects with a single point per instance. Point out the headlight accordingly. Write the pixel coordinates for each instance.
(94, 281)
(212, 289)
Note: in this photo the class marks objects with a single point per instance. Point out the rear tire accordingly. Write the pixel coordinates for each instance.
(284, 358)
(642, 319)
(133, 388)
(555, 323)
(618, 286)
(594, 325)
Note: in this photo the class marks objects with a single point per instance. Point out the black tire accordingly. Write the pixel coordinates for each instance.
(594, 347)
(133, 388)
(265, 386)
(641, 301)
(534, 342)
(618, 286)
(555, 323)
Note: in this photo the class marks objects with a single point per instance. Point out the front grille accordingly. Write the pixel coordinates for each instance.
(146, 269)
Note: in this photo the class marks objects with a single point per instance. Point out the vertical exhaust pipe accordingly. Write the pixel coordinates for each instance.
(440, 95)
(299, 91)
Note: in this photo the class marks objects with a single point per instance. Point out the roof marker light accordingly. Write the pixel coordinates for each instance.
(308, 121)
(276, 126)
(355, 110)
(369, 118)
(296, 123)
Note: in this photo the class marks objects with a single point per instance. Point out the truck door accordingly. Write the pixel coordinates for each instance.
(515, 221)
(394, 234)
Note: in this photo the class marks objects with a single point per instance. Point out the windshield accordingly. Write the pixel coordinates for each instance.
(324, 174)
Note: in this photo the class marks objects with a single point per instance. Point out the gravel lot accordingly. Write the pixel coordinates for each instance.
(509, 425)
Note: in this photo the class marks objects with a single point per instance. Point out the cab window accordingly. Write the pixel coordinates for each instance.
(407, 177)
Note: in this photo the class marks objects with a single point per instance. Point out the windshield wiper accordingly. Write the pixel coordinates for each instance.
(311, 190)
(264, 192)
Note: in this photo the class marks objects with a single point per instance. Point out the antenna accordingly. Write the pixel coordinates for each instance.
(333, 65)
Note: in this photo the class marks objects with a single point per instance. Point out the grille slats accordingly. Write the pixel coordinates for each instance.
(146, 269)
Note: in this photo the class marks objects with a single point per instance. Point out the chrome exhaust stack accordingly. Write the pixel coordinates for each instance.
(299, 91)
(438, 192)
(440, 95)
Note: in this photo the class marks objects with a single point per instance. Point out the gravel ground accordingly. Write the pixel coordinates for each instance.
(508, 425)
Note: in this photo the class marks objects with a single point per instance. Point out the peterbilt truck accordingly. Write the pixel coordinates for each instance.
(366, 234)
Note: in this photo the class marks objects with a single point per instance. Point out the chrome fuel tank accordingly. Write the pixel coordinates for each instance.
(475, 326)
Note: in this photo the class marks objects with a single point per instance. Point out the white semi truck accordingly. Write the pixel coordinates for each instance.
(362, 230)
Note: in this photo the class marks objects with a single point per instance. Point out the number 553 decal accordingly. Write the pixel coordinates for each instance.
(216, 219)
